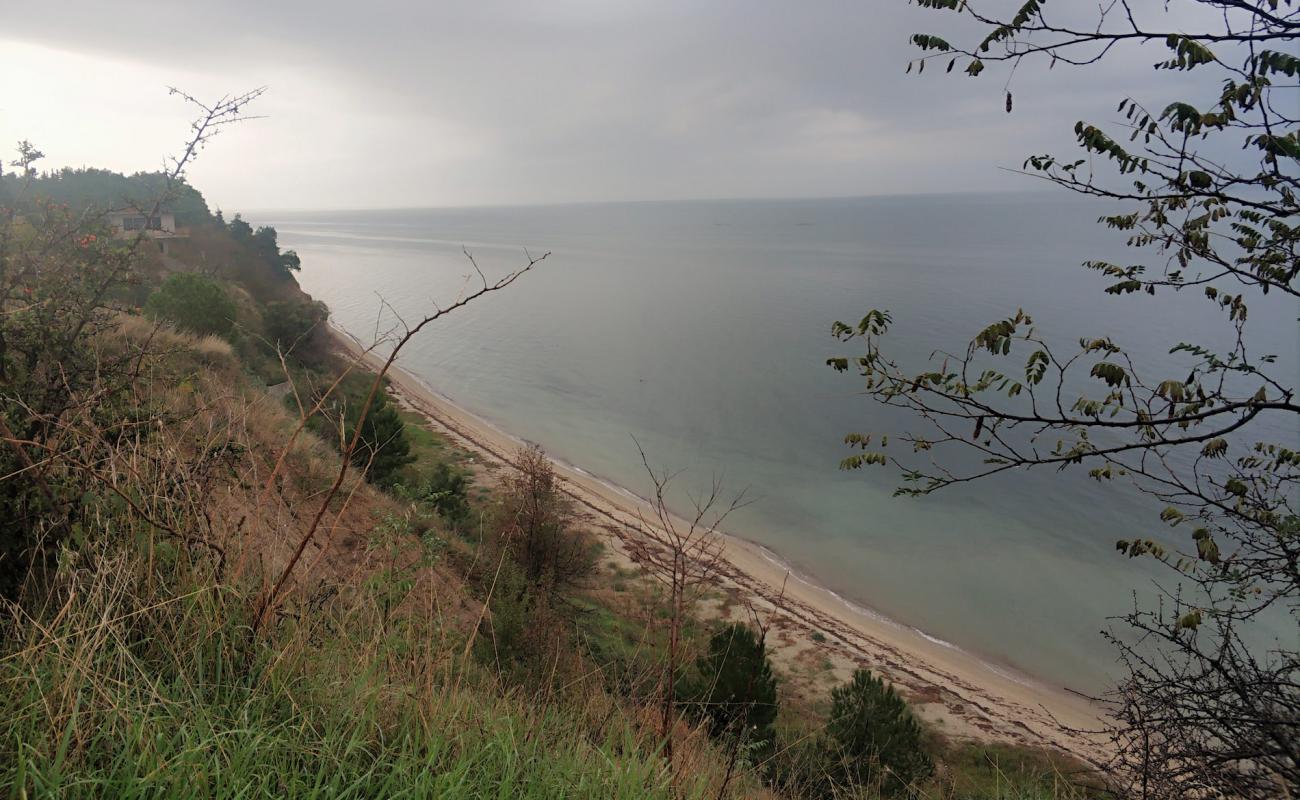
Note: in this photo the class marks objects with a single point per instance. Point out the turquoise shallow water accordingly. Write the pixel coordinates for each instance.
(702, 328)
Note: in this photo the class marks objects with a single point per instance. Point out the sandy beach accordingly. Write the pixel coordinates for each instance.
(961, 694)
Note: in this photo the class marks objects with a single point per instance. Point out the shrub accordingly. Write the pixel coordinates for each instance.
(535, 526)
(294, 324)
(735, 690)
(383, 449)
(447, 491)
(502, 640)
(195, 303)
(872, 738)
(58, 280)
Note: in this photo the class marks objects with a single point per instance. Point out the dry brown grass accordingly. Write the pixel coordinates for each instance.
(211, 458)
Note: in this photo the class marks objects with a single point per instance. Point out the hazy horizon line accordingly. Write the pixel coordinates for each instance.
(682, 200)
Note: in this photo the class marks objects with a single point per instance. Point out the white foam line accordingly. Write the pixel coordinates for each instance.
(937, 640)
(1011, 676)
(361, 237)
(776, 560)
(807, 580)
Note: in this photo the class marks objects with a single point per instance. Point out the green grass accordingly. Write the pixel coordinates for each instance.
(427, 448)
(608, 633)
(423, 440)
(254, 745)
(121, 692)
(1004, 772)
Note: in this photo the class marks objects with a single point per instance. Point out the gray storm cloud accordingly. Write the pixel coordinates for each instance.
(390, 104)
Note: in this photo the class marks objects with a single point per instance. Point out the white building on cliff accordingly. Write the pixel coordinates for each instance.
(127, 223)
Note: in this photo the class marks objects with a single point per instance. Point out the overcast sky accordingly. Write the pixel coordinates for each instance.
(385, 104)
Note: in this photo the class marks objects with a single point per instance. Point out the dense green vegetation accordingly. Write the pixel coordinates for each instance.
(264, 245)
(871, 744)
(290, 323)
(734, 688)
(194, 303)
(875, 739)
(101, 190)
(383, 450)
(446, 489)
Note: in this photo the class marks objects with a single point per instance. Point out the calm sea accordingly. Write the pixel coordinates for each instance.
(702, 328)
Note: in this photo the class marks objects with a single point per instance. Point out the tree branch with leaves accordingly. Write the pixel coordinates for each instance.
(1199, 709)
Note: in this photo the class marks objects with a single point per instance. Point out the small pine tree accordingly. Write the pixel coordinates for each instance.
(736, 690)
(447, 490)
(873, 739)
(383, 445)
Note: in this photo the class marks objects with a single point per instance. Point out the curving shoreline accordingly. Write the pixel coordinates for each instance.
(961, 694)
